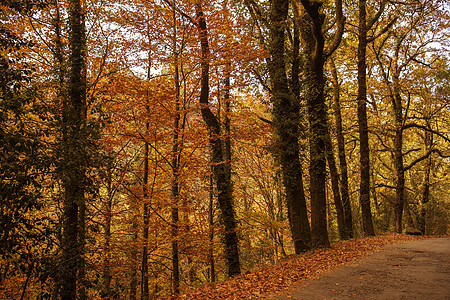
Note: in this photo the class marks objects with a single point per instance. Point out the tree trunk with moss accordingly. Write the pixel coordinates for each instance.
(425, 197)
(218, 157)
(74, 156)
(364, 194)
(313, 48)
(316, 53)
(286, 110)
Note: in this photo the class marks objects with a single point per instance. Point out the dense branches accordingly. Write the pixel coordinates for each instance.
(150, 147)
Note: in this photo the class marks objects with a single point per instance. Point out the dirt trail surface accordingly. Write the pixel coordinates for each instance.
(298, 269)
(413, 270)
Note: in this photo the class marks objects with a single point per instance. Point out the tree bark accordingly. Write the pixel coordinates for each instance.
(224, 185)
(398, 155)
(335, 185)
(146, 219)
(348, 219)
(364, 195)
(145, 292)
(227, 120)
(82, 248)
(428, 140)
(106, 287)
(74, 154)
(286, 110)
(175, 176)
(212, 271)
(314, 44)
(134, 252)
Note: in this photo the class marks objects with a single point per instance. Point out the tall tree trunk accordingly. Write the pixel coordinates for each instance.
(286, 110)
(61, 91)
(175, 176)
(364, 195)
(224, 185)
(146, 216)
(348, 219)
(58, 50)
(428, 140)
(74, 154)
(134, 252)
(227, 120)
(133, 258)
(398, 156)
(212, 271)
(106, 286)
(280, 214)
(335, 185)
(314, 44)
(82, 246)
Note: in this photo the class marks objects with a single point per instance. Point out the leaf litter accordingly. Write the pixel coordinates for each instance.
(265, 281)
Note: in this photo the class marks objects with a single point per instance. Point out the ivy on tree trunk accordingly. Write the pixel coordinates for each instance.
(364, 190)
(73, 166)
(286, 116)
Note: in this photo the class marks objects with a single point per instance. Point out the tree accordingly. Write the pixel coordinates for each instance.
(364, 193)
(218, 158)
(26, 232)
(432, 88)
(408, 49)
(73, 165)
(316, 53)
(132, 215)
(285, 112)
(344, 188)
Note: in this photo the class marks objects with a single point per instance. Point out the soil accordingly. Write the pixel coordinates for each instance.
(413, 270)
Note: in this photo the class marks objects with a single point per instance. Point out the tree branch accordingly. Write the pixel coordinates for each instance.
(261, 80)
(413, 125)
(265, 120)
(340, 20)
(375, 18)
(255, 13)
(383, 31)
(425, 156)
(182, 13)
(411, 150)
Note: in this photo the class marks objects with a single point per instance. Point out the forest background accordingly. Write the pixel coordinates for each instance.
(148, 147)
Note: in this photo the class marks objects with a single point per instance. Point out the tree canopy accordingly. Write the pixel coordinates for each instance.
(150, 147)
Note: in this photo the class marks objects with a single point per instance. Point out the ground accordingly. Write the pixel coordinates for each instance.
(392, 266)
(413, 270)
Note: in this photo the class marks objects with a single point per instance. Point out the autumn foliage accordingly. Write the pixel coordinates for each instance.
(158, 148)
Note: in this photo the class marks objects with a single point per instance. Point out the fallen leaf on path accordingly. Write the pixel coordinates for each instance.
(264, 281)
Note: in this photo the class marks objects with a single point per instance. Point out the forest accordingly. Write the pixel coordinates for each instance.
(150, 147)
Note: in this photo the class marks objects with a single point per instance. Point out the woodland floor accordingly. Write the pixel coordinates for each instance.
(318, 274)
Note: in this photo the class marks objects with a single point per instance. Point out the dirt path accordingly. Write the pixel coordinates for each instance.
(413, 270)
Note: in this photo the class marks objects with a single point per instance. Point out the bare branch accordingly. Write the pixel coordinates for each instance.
(261, 80)
(410, 151)
(182, 13)
(413, 125)
(265, 120)
(423, 157)
(257, 17)
(383, 31)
